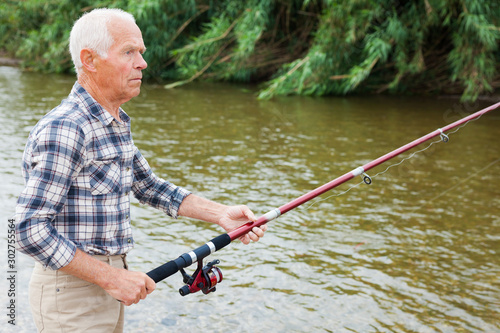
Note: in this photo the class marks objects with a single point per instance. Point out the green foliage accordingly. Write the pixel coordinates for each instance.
(305, 47)
(227, 42)
(164, 26)
(398, 46)
(38, 31)
(475, 42)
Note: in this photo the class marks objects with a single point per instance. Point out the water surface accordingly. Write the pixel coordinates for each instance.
(416, 251)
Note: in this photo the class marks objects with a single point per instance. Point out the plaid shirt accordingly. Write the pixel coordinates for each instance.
(79, 166)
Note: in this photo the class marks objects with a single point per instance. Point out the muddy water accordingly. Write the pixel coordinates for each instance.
(416, 251)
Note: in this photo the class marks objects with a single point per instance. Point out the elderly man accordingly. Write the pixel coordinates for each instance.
(79, 165)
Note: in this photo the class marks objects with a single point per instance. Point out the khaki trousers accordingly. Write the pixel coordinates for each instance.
(61, 302)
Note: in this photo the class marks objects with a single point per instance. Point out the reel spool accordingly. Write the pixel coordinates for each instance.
(205, 278)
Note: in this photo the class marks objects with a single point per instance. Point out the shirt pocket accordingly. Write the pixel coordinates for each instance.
(105, 176)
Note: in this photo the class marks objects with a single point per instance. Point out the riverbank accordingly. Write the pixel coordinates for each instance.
(9, 62)
(5, 60)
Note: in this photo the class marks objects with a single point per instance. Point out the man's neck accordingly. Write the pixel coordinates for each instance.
(93, 89)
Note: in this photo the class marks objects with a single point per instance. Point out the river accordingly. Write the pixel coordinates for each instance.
(418, 250)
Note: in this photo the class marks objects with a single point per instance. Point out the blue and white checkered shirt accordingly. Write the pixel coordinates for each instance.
(79, 166)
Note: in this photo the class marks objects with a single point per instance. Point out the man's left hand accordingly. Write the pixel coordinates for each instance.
(235, 216)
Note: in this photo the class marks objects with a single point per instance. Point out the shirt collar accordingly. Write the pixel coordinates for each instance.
(95, 108)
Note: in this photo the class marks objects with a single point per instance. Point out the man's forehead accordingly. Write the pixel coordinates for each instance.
(126, 33)
(120, 27)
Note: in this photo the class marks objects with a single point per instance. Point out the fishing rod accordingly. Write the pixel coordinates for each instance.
(205, 278)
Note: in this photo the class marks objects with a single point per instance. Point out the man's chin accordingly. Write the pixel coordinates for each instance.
(135, 91)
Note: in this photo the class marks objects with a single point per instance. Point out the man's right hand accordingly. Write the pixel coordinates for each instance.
(126, 286)
(129, 287)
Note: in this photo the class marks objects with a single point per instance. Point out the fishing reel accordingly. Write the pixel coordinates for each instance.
(204, 278)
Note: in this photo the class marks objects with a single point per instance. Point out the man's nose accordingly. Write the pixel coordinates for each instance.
(140, 62)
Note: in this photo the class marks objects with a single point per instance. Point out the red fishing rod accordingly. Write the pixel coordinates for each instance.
(206, 277)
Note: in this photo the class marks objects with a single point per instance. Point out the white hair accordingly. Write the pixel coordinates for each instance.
(91, 31)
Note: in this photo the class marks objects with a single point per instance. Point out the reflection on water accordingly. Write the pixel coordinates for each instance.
(416, 251)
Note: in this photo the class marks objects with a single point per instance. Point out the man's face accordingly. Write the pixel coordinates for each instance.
(119, 75)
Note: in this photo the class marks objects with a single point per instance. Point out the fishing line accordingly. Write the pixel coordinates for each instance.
(207, 276)
(459, 183)
(378, 174)
(444, 138)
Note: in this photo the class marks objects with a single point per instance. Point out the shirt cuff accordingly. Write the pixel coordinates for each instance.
(62, 256)
(177, 197)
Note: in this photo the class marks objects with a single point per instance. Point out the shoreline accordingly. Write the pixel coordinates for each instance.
(5, 61)
(494, 96)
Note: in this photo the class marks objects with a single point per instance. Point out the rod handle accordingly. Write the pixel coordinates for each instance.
(173, 266)
(164, 271)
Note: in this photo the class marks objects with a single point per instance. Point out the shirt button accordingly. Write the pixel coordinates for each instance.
(128, 169)
(129, 240)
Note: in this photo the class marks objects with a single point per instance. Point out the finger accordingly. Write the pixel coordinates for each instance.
(253, 236)
(143, 294)
(147, 285)
(136, 298)
(126, 303)
(151, 289)
(258, 232)
(245, 239)
(150, 285)
(248, 213)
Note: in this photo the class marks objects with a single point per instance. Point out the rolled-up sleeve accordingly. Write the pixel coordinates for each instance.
(156, 192)
(52, 157)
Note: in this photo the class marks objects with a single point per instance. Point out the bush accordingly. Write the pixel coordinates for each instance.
(303, 47)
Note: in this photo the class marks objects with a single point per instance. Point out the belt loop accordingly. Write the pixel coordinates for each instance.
(124, 259)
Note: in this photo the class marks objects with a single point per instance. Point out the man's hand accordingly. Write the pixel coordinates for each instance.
(228, 217)
(235, 216)
(129, 287)
(123, 285)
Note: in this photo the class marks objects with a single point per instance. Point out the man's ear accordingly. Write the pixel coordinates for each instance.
(88, 58)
